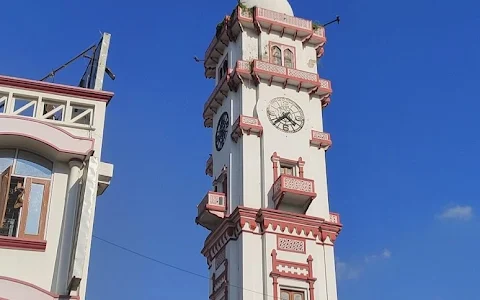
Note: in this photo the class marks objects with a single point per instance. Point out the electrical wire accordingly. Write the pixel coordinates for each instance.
(170, 265)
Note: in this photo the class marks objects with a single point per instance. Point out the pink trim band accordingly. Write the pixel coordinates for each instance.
(22, 244)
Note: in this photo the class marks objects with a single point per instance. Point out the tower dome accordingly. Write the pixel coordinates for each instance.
(281, 6)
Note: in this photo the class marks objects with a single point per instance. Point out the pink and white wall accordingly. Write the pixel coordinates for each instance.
(64, 126)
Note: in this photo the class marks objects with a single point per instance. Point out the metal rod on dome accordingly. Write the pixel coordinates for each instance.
(337, 20)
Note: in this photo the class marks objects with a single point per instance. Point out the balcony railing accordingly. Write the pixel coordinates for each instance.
(243, 70)
(281, 22)
(246, 125)
(58, 104)
(287, 76)
(262, 19)
(209, 166)
(291, 191)
(271, 73)
(321, 140)
(211, 210)
(334, 218)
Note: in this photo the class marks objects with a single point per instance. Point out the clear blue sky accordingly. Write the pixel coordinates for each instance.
(403, 171)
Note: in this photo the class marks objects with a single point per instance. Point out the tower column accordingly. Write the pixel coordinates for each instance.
(68, 226)
(273, 226)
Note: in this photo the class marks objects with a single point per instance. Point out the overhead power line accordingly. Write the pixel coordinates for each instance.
(170, 265)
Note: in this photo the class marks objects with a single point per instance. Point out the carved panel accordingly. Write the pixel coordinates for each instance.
(291, 244)
(298, 184)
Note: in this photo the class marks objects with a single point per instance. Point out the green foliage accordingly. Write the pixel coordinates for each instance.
(219, 27)
(316, 25)
(242, 5)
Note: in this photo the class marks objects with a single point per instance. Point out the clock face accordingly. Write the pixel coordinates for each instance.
(222, 131)
(285, 115)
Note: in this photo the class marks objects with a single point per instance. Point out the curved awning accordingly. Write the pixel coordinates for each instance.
(42, 137)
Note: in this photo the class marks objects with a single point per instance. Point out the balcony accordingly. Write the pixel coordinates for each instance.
(317, 39)
(286, 76)
(209, 166)
(261, 19)
(246, 125)
(211, 210)
(334, 218)
(293, 192)
(321, 140)
(264, 19)
(243, 70)
(60, 105)
(282, 23)
(216, 99)
(241, 18)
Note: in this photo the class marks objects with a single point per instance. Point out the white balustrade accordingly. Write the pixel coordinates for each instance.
(61, 111)
(284, 19)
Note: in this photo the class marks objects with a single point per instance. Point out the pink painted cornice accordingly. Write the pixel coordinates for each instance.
(55, 88)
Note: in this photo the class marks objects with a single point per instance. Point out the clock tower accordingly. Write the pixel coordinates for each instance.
(272, 233)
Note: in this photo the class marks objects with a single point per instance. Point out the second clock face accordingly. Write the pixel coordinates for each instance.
(222, 131)
(285, 115)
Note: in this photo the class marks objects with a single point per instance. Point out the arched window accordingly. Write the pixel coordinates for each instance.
(282, 55)
(24, 191)
(277, 55)
(289, 59)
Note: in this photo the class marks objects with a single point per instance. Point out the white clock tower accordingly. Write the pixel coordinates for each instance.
(272, 233)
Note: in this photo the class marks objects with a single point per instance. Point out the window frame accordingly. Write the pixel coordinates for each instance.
(21, 240)
(283, 48)
(292, 293)
(220, 185)
(43, 213)
(292, 167)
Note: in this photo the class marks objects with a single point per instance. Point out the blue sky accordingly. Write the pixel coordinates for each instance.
(403, 171)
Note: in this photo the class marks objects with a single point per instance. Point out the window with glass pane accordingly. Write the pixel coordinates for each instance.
(291, 295)
(32, 224)
(289, 60)
(287, 170)
(277, 55)
(6, 158)
(24, 192)
(30, 164)
(3, 102)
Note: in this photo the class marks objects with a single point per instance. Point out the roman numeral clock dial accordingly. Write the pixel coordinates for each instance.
(285, 115)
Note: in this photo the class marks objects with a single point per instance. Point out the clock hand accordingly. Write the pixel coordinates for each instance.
(290, 119)
(281, 118)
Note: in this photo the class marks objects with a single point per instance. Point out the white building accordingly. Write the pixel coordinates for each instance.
(272, 232)
(51, 173)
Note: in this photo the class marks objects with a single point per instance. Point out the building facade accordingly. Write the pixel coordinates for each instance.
(272, 232)
(51, 173)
